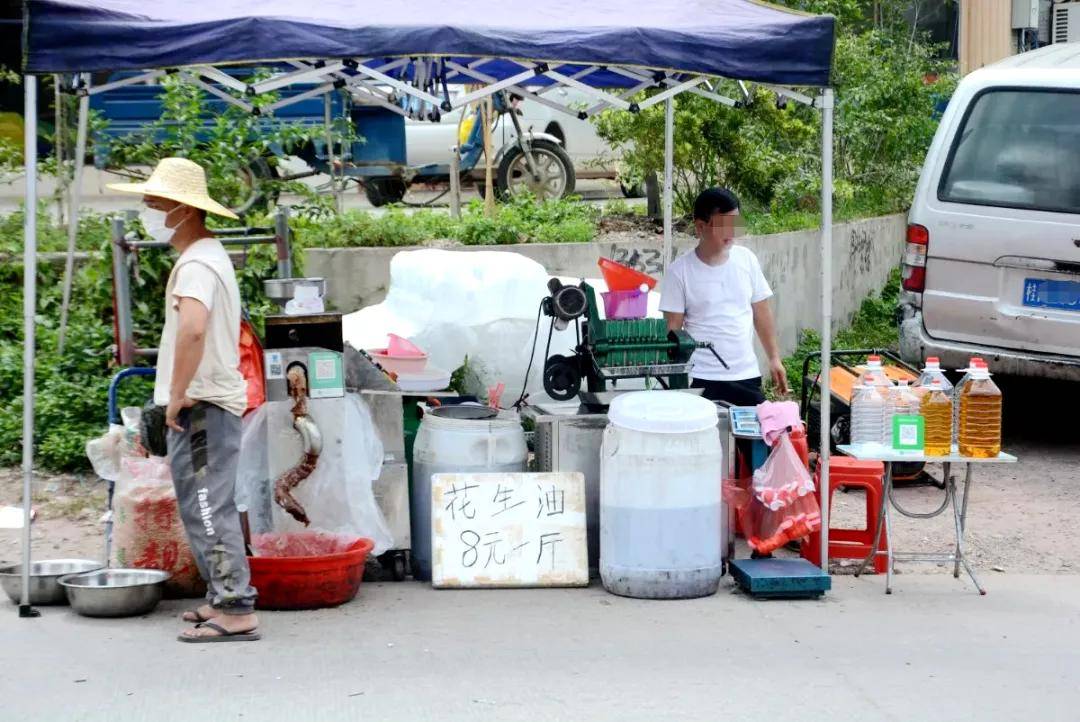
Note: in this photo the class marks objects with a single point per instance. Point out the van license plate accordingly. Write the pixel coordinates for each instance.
(1044, 293)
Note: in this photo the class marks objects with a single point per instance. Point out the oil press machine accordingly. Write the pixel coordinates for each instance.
(611, 350)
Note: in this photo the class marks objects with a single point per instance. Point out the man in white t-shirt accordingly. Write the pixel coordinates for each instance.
(718, 293)
(204, 394)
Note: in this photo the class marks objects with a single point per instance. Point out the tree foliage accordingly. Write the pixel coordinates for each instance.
(769, 151)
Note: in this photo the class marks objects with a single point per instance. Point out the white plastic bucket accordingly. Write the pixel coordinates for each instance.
(446, 445)
(661, 469)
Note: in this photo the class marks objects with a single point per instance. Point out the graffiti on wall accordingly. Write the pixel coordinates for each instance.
(646, 260)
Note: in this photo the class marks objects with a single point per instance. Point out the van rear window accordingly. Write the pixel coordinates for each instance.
(1017, 149)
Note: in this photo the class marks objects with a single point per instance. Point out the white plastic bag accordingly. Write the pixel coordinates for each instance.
(118, 443)
(337, 496)
(104, 452)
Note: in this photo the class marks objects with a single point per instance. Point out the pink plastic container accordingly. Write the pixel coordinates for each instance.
(625, 304)
(398, 364)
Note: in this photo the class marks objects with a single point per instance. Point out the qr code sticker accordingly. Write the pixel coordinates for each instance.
(325, 369)
(274, 368)
(909, 434)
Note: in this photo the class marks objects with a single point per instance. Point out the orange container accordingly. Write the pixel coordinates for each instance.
(623, 278)
(310, 581)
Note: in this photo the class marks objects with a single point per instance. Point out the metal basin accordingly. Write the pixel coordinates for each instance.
(44, 579)
(115, 592)
(281, 290)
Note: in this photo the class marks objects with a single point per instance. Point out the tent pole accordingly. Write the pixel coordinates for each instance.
(29, 304)
(328, 128)
(73, 214)
(669, 161)
(826, 312)
(58, 143)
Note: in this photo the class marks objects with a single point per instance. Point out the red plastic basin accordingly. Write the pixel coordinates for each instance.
(308, 569)
(623, 278)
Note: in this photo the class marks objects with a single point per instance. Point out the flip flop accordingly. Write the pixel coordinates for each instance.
(223, 635)
(195, 617)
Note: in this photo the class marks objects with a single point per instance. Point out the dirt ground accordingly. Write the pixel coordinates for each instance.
(1020, 516)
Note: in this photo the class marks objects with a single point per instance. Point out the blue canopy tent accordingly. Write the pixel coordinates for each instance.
(379, 50)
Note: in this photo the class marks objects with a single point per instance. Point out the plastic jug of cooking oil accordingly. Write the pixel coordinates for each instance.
(980, 416)
(957, 390)
(867, 414)
(936, 408)
(932, 371)
(900, 400)
(876, 373)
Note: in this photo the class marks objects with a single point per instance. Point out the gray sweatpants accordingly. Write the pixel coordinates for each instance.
(204, 459)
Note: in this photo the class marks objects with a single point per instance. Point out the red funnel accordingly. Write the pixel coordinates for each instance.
(623, 278)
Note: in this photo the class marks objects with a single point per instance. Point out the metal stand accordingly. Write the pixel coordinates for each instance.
(956, 557)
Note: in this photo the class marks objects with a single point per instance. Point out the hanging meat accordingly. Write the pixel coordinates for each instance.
(311, 439)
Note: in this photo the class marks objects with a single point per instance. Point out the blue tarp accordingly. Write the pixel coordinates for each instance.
(739, 39)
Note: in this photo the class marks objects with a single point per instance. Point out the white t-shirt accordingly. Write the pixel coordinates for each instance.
(205, 273)
(716, 301)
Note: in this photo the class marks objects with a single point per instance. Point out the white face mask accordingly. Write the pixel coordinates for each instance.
(153, 222)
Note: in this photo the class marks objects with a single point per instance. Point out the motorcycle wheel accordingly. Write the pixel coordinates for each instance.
(555, 170)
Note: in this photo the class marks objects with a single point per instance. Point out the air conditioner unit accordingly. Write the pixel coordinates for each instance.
(1066, 22)
(1025, 14)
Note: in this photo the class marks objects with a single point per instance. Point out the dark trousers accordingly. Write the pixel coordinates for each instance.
(746, 392)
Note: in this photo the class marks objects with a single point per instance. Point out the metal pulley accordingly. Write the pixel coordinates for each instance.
(562, 378)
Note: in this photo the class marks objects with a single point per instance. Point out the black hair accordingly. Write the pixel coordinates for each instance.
(714, 200)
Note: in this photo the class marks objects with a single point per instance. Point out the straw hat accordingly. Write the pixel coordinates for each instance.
(180, 180)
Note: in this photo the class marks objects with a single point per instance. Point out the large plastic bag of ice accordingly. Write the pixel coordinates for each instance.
(477, 304)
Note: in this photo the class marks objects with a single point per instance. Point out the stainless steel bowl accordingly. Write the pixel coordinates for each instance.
(281, 290)
(44, 579)
(115, 592)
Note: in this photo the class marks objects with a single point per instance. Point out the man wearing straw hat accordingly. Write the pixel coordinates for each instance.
(203, 392)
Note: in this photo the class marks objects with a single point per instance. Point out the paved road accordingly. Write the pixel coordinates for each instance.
(935, 650)
(99, 198)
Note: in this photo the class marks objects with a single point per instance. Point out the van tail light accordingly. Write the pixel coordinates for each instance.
(913, 267)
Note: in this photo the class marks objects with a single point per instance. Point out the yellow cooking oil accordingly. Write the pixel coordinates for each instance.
(936, 409)
(980, 417)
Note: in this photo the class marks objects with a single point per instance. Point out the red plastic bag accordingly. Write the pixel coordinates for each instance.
(251, 366)
(778, 505)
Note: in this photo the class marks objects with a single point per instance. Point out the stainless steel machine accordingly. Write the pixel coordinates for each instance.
(313, 344)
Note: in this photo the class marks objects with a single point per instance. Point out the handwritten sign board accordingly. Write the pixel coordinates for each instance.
(508, 530)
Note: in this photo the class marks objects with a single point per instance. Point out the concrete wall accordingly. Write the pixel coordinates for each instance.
(864, 252)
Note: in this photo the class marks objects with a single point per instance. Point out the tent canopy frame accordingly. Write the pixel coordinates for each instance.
(534, 80)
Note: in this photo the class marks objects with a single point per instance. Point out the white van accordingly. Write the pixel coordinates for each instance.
(992, 263)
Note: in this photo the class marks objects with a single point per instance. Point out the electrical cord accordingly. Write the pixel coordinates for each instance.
(532, 354)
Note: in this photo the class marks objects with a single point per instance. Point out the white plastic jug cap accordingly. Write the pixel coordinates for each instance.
(873, 360)
(663, 412)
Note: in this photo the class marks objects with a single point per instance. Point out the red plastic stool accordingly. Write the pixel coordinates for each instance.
(851, 543)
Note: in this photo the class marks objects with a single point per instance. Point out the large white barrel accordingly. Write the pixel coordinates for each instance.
(458, 440)
(660, 477)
